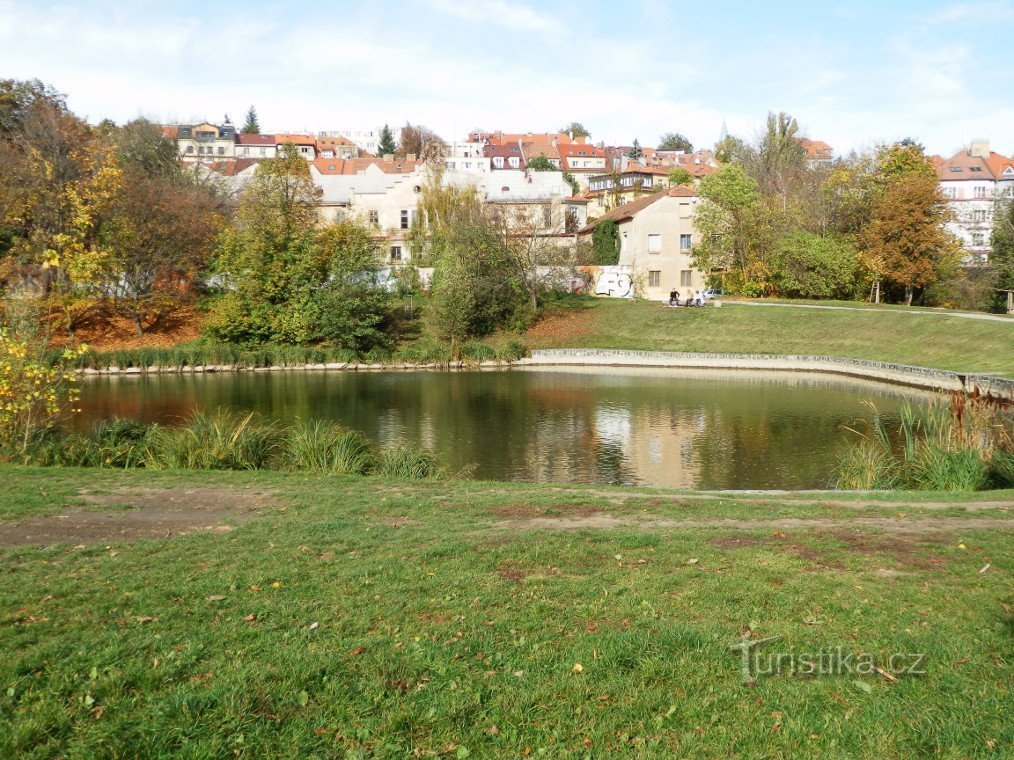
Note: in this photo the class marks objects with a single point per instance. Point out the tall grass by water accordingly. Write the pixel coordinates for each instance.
(223, 440)
(966, 445)
(184, 356)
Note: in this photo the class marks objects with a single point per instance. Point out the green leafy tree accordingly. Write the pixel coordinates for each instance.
(476, 289)
(679, 176)
(806, 265)
(1001, 260)
(251, 126)
(540, 164)
(635, 151)
(675, 141)
(727, 221)
(571, 180)
(290, 281)
(140, 143)
(386, 145)
(576, 129)
(606, 243)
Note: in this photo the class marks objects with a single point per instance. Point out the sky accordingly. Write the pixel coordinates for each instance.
(854, 74)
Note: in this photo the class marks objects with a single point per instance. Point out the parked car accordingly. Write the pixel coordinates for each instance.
(712, 293)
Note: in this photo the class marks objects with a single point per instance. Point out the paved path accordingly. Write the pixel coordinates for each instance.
(941, 313)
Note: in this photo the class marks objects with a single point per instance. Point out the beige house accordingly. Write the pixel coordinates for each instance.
(656, 235)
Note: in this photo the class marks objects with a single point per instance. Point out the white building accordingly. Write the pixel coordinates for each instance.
(974, 180)
(366, 139)
(203, 142)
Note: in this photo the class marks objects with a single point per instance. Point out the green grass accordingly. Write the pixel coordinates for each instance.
(385, 618)
(943, 342)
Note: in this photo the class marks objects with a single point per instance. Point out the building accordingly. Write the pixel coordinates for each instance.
(305, 144)
(818, 152)
(582, 160)
(336, 147)
(365, 139)
(204, 141)
(256, 146)
(656, 236)
(974, 180)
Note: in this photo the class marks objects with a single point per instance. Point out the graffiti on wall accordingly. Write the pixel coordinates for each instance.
(614, 281)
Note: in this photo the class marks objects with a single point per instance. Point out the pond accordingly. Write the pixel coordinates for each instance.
(672, 428)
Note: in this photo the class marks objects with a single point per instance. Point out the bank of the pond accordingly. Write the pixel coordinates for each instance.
(925, 378)
(264, 614)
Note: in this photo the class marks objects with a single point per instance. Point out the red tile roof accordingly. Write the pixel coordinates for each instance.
(256, 139)
(296, 139)
(628, 210)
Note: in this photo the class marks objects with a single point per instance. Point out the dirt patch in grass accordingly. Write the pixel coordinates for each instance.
(904, 549)
(529, 511)
(156, 513)
(553, 328)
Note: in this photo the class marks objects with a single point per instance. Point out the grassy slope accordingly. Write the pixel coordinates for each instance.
(953, 343)
(435, 626)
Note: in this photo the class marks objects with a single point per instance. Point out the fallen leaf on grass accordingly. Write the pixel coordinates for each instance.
(693, 561)
(97, 712)
(578, 668)
(863, 686)
(314, 625)
(985, 568)
(215, 598)
(252, 617)
(145, 619)
(358, 651)
(885, 674)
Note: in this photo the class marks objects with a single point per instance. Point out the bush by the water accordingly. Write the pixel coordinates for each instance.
(964, 446)
(226, 441)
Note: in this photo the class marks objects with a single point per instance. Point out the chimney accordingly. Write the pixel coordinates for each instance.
(389, 157)
(979, 149)
(410, 156)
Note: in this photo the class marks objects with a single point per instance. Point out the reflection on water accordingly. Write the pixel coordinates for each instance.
(684, 429)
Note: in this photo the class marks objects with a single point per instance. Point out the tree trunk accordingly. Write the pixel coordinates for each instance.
(138, 323)
(908, 295)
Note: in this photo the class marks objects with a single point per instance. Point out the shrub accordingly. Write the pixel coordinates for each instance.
(219, 441)
(404, 462)
(321, 446)
(477, 351)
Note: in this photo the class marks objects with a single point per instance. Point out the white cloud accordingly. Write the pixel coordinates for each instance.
(499, 13)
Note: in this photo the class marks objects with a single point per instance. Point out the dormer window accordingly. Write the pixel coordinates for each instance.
(505, 189)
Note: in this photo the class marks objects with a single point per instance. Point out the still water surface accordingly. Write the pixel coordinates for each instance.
(682, 429)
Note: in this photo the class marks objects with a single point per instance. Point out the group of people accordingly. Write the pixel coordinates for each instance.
(694, 298)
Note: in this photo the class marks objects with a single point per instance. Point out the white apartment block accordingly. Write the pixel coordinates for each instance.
(975, 181)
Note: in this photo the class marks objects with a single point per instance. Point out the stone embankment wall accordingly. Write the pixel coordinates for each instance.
(900, 374)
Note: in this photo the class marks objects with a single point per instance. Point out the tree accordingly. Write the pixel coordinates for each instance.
(675, 141)
(780, 158)
(679, 176)
(386, 146)
(142, 144)
(576, 129)
(251, 126)
(732, 232)
(606, 243)
(422, 142)
(806, 265)
(476, 288)
(290, 281)
(1001, 260)
(635, 151)
(159, 234)
(540, 164)
(905, 242)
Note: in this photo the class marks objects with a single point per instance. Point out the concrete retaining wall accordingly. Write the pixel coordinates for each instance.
(900, 374)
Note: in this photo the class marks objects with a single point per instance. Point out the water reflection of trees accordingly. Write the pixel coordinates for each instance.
(608, 428)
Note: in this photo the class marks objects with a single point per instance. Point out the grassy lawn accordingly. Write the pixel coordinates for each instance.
(394, 619)
(954, 343)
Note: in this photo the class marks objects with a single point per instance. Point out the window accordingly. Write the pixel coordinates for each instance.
(404, 218)
(950, 192)
(221, 151)
(246, 151)
(190, 149)
(264, 151)
(686, 242)
(979, 215)
(654, 278)
(655, 243)
(514, 161)
(395, 253)
(979, 192)
(375, 218)
(686, 277)
(978, 239)
(415, 215)
(547, 217)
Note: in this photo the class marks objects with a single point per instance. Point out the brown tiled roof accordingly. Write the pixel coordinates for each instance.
(962, 166)
(626, 211)
(231, 168)
(356, 165)
(256, 139)
(816, 148)
(296, 139)
(170, 130)
(1000, 165)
